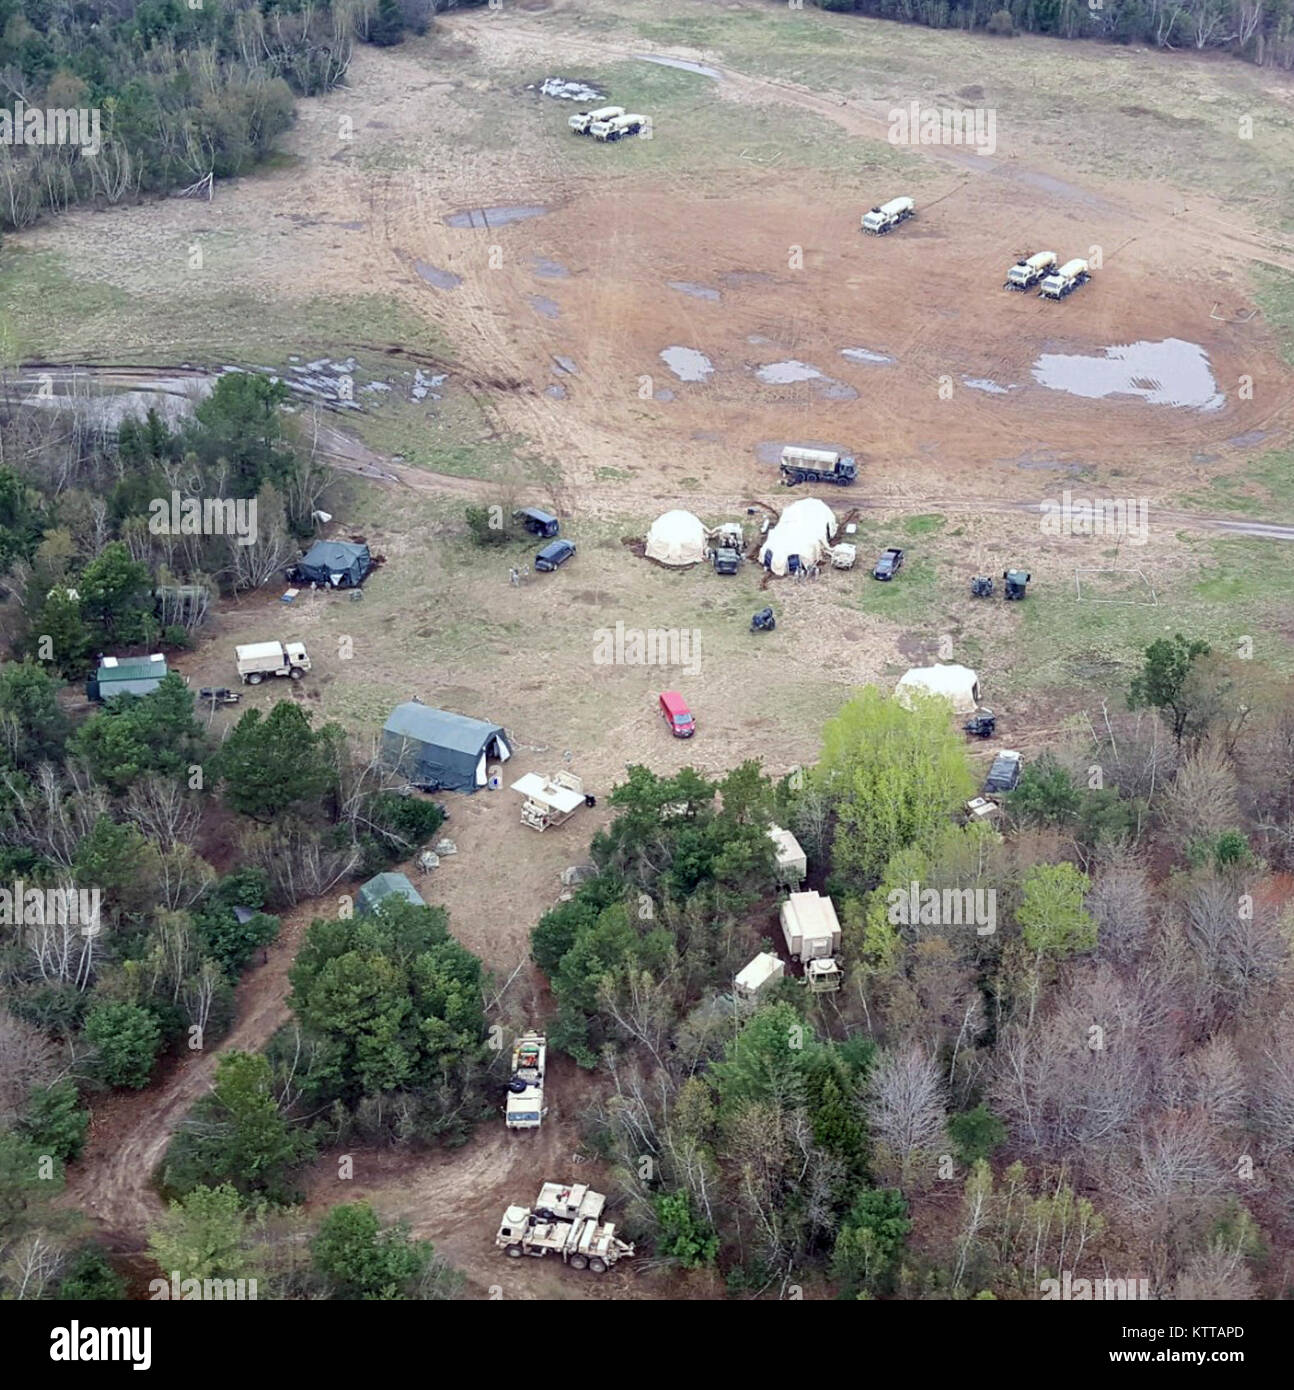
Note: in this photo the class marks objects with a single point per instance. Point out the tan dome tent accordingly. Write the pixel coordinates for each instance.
(677, 538)
(801, 537)
(959, 685)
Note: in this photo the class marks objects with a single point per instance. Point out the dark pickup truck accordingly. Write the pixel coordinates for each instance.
(890, 563)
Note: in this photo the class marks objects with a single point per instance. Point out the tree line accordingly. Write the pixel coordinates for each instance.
(1259, 31)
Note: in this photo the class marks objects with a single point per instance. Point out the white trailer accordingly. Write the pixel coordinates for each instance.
(566, 1220)
(792, 863)
(810, 926)
(524, 1108)
(618, 127)
(256, 660)
(582, 120)
(1025, 274)
(885, 218)
(750, 979)
(1065, 280)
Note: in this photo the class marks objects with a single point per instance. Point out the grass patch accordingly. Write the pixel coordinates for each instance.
(923, 525)
(1264, 489)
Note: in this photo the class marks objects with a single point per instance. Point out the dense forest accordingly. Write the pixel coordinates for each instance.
(1102, 1083)
(183, 90)
(1260, 31)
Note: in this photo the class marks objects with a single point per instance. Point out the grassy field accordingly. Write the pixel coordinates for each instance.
(1115, 112)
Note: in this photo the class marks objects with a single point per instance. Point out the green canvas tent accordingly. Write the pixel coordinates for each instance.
(435, 748)
(382, 886)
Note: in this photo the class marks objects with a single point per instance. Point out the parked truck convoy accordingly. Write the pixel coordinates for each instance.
(888, 216)
(816, 466)
(1025, 274)
(524, 1108)
(582, 120)
(260, 659)
(1065, 280)
(566, 1220)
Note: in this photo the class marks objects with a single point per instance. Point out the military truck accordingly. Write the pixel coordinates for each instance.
(816, 466)
(256, 660)
(1026, 273)
(1066, 280)
(524, 1108)
(618, 127)
(566, 1220)
(582, 120)
(888, 216)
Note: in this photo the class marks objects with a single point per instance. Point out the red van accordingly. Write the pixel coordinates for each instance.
(677, 715)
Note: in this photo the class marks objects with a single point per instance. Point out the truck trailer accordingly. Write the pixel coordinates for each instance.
(260, 659)
(566, 1220)
(888, 216)
(1065, 280)
(1025, 274)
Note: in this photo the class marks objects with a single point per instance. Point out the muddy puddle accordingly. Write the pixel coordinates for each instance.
(567, 365)
(792, 372)
(1171, 372)
(541, 304)
(433, 275)
(694, 291)
(687, 363)
(555, 392)
(681, 63)
(867, 356)
(495, 217)
(548, 270)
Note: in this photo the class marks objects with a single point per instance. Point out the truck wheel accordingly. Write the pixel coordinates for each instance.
(296, 673)
(597, 1265)
(254, 678)
(579, 1262)
(514, 1252)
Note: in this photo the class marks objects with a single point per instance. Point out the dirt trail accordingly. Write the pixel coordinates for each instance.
(129, 1132)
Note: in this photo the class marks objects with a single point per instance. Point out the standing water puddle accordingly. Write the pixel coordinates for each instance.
(541, 304)
(687, 363)
(433, 275)
(494, 217)
(979, 383)
(549, 270)
(786, 373)
(791, 372)
(866, 355)
(696, 291)
(1171, 372)
(699, 68)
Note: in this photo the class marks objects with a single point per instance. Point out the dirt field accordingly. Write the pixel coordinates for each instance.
(733, 233)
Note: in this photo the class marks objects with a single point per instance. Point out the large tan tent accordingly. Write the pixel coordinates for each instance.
(803, 533)
(959, 685)
(677, 538)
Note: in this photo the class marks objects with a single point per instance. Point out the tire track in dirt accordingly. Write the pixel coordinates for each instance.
(129, 1133)
(1210, 229)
